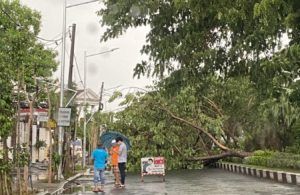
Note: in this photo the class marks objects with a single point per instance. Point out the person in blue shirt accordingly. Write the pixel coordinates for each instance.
(99, 156)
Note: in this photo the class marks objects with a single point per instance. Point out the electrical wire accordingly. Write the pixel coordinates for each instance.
(77, 68)
(116, 109)
(48, 40)
(75, 59)
(20, 26)
(57, 45)
(112, 88)
(10, 17)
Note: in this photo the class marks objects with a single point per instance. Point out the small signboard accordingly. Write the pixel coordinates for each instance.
(64, 117)
(51, 123)
(153, 166)
(42, 116)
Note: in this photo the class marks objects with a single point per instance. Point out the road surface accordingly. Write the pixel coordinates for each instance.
(198, 182)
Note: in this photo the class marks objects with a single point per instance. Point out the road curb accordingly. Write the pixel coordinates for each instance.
(60, 189)
(278, 176)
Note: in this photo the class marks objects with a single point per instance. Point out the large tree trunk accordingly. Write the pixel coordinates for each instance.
(68, 163)
(227, 152)
(214, 158)
(5, 178)
(93, 140)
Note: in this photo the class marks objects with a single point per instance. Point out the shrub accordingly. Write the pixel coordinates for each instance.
(264, 153)
(233, 160)
(274, 159)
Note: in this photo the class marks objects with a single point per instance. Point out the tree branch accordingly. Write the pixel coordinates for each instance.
(221, 146)
(214, 106)
(222, 155)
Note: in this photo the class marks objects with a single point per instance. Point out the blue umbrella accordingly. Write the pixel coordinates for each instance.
(108, 136)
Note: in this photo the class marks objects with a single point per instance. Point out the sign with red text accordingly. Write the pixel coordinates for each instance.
(153, 166)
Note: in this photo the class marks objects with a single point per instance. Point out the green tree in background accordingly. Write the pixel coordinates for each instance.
(22, 58)
(228, 67)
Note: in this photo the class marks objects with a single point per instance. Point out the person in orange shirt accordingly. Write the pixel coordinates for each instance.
(114, 153)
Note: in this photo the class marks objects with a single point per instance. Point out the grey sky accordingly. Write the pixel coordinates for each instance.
(113, 69)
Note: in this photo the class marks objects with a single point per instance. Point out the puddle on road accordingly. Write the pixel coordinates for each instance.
(71, 189)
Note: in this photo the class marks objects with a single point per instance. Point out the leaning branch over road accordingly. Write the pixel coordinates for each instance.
(227, 152)
(221, 146)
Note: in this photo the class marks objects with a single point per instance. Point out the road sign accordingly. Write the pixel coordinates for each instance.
(64, 117)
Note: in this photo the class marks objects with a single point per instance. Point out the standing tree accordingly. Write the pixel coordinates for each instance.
(21, 58)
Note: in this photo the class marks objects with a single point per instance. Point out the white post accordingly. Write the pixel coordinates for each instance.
(62, 68)
(84, 111)
(33, 142)
(84, 106)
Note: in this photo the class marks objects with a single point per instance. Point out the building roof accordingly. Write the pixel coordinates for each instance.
(91, 97)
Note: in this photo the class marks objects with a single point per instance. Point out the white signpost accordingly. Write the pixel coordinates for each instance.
(64, 117)
(153, 166)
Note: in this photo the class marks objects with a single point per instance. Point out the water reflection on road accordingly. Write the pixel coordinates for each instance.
(206, 182)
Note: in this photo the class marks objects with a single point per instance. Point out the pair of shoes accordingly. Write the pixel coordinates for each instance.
(95, 190)
(122, 186)
(98, 190)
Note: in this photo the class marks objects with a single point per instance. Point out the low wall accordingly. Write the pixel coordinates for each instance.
(278, 176)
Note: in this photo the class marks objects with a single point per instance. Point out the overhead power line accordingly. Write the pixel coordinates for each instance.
(48, 40)
(20, 26)
(77, 67)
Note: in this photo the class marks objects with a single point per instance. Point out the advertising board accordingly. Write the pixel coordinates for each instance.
(152, 166)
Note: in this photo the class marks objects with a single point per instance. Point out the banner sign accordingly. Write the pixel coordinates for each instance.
(64, 117)
(153, 166)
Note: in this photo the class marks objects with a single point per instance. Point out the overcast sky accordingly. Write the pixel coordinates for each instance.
(113, 69)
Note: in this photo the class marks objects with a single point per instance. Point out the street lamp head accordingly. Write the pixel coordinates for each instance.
(103, 52)
(113, 49)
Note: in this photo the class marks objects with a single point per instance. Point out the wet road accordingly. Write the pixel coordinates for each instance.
(206, 182)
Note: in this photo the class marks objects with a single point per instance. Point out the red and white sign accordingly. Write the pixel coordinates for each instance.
(41, 113)
(153, 166)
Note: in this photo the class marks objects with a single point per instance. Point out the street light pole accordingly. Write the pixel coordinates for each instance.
(85, 108)
(60, 129)
(62, 83)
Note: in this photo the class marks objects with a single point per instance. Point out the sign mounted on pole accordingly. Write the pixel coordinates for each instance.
(64, 117)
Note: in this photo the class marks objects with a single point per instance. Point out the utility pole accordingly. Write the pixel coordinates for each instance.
(50, 136)
(84, 104)
(84, 111)
(71, 57)
(61, 102)
(68, 156)
(100, 99)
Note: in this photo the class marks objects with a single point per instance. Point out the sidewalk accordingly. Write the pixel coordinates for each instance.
(55, 188)
(281, 176)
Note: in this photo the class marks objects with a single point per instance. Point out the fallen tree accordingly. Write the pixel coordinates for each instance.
(225, 151)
